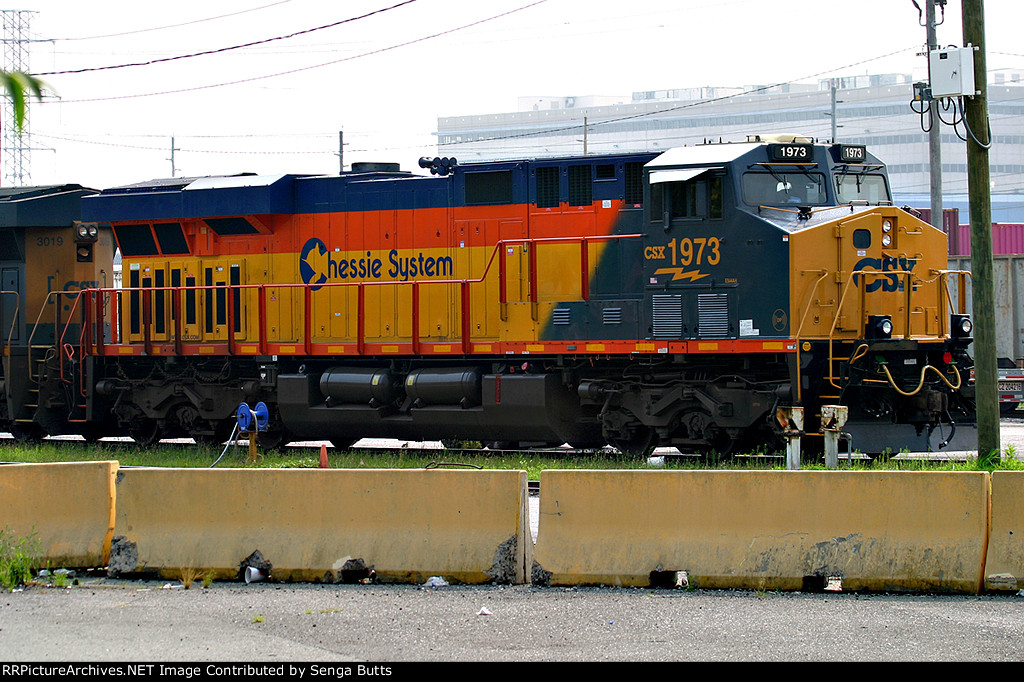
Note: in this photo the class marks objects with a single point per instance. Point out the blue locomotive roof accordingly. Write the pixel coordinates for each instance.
(240, 195)
(43, 206)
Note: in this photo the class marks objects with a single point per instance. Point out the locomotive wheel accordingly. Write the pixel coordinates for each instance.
(273, 439)
(639, 444)
(221, 432)
(92, 432)
(459, 444)
(1008, 409)
(145, 432)
(27, 433)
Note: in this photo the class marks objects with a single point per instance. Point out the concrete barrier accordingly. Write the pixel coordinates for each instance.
(332, 525)
(68, 509)
(1004, 561)
(764, 530)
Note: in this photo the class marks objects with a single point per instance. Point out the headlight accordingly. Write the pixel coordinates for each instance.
(886, 240)
(879, 327)
(886, 225)
(86, 232)
(961, 326)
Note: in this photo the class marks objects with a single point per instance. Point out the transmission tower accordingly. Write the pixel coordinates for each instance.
(15, 148)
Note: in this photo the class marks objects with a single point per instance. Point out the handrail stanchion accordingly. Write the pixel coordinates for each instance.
(261, 296)
(116, 328)
(307, 322)
(360, 318)
(415, 318)
(584, 269)
(466, 319)
(146, 317)
(176, 312)
(502, 280)
(229, 295)
(99, 321)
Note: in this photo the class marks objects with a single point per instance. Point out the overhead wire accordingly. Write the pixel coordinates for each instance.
(161, 28)
(231, 48)
(313, 66)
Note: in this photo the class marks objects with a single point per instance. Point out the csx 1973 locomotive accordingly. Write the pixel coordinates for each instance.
(635, 300)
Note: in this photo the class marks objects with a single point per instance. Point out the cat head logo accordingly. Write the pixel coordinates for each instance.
(313, 263)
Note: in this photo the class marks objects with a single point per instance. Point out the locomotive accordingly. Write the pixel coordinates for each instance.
(637, 300)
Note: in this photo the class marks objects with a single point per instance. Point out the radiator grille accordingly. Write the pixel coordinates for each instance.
(668, 316)
(713, 315)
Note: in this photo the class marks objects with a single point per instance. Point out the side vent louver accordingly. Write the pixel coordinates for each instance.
(668, 316)
(561, 316)
(612, 316)
(713, 316)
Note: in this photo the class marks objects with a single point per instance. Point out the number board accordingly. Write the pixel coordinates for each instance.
(853, 153)
(791, 152)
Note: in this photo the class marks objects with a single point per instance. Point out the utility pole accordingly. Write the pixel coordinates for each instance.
(980, 199)
(835, 126)
(935, 127)
(341, 151)
(174, 169)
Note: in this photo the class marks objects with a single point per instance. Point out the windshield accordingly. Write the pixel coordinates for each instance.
(854, 187)
(773, 189)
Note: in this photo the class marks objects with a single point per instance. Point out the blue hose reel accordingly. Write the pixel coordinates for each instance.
(248, 418)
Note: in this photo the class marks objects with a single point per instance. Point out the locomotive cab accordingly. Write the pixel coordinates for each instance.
(809, 250)
(47, 258)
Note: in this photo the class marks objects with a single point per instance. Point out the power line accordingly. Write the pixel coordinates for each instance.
(222, 50)
(116, 145)
(161, 28)
(314, 66)
(680, 107)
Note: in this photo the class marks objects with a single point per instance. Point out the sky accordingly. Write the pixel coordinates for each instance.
(383, 71)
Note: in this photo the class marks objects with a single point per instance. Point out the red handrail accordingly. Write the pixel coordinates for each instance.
(94, 314)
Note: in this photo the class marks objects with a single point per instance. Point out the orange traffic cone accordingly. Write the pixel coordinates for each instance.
(323, 456)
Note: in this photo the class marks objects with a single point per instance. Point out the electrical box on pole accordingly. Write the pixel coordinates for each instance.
(951, 71)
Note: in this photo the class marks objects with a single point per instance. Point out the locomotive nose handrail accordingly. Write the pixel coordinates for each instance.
(908, 288)
(10, 336)
(94, 309)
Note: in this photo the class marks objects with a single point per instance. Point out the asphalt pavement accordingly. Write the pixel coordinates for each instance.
(126, 621)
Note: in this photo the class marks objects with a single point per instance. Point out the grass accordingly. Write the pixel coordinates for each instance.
(200, 456)
(18, 556)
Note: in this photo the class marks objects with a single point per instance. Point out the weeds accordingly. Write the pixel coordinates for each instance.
(60, 579)
(188, 576)
(17, 559)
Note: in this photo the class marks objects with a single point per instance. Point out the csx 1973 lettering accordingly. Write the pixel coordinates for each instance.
(687, 251)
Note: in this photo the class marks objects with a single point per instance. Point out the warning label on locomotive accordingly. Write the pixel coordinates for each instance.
(318, 265)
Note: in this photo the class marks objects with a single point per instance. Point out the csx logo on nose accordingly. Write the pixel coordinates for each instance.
(654, 252)
(891, 282)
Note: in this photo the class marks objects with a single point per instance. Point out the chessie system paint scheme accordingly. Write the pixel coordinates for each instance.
(636, 300)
